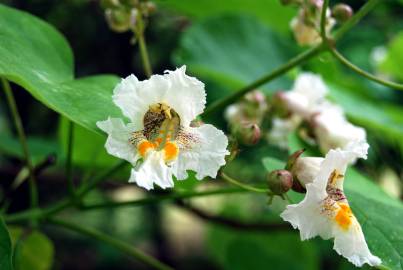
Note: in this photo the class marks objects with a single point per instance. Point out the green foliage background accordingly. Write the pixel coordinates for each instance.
(227, 44)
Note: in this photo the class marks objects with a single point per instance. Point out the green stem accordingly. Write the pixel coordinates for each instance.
(139, 32)
(219, 104)
(69, 173)
(363, 73)
(367, 7)
(244, 186)
(323, 21)
(66, 202)
(122, 246)
(157, 199)
(23, 141)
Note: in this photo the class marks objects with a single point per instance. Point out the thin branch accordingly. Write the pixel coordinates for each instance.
(323, 21)
(23, 140)
(244, 186)
(164, 197)
(69, 173)
(233, 223)
(112, 241)
(139, 32)
(299, 59)
(363, 73)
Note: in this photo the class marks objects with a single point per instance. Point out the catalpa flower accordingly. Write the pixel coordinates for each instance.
(307, 94)
(325, 210)
(158, 140)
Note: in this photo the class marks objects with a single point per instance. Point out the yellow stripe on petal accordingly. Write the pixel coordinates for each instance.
(344, 216)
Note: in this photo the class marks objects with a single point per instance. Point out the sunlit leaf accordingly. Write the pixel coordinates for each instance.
(37, 57)
(32, 250)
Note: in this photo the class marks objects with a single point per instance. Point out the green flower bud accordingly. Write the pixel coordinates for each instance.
(247, 133)
(121, 19)
(279, 181)
(342, 12)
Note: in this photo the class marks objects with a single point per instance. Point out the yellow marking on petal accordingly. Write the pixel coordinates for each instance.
(171, 151)
(145, 146)
(334, 176)
(344, 216)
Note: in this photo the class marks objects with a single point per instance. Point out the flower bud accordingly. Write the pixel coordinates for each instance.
(119, 20)
(247, 133)
(342, 12)
(279, 181)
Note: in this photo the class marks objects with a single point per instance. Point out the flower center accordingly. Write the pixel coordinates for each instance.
(161, 127)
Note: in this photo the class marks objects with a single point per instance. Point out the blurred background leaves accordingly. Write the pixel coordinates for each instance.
(227, 44)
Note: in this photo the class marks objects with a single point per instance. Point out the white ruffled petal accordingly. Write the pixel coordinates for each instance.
(152, 171)
(186, 95)
(351, 244)
(117, 143)
(205, 155)
(307, 217)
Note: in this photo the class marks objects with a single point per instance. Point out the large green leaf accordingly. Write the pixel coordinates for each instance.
(235, 250)
(37, 57)
(270, 12)
(233, 51)
(32, 250)
(5, 248)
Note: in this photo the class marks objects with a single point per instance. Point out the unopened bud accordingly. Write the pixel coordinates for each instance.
(248, 133)
(342, 12)
(279, 181)
(293, 158)
(119, 20)
(305, 169)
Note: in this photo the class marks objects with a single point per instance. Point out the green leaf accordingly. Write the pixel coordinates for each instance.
(233, 51)
(394, 57)
(271, 13)
(5, 248)
(32, 250)
(272, 164)
(36, 56)
(235, 250)
(39, 147)
(88, 147)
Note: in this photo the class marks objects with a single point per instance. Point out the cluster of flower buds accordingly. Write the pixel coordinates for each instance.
(123, 15)
(306, 25)
(246, 116)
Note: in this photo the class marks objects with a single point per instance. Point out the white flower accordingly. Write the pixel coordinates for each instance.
(307, 33)
(280, 129)
(332, 130)
(325, 210)
(307, 94)
(159, 141)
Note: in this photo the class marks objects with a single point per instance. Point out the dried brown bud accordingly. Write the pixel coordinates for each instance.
(279, 181)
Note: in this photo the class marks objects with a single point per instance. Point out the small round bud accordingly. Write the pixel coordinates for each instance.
(279, 181)
(248, 133)
(342, 12)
